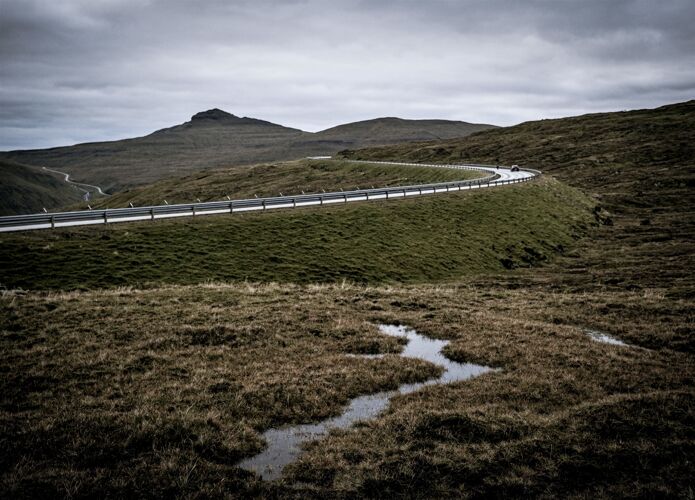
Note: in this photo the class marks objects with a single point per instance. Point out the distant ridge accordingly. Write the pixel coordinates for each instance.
(389, 130)
(217, 138)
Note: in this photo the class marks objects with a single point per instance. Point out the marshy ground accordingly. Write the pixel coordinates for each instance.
(165, 390)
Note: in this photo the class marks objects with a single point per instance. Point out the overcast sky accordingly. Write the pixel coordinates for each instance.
(82, 70)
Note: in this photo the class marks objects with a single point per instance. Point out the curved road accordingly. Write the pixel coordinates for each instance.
(78, 184)
(495, 176)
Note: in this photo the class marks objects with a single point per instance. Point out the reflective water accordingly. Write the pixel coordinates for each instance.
(605, 338)
(284, 444)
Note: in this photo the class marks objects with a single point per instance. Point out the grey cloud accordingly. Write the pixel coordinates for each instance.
(79, 70)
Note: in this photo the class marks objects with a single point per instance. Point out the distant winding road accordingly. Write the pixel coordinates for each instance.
(77, 184)
(495, 176)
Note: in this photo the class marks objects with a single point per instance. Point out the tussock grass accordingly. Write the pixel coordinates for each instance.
(162, 390)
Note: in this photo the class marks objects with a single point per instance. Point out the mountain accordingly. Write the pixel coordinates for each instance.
(396, 130)
(215, 138)
(25, 189)
(211, 138)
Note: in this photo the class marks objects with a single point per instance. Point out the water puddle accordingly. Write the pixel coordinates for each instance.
(365, 356)
(284, 445)
(603, 337)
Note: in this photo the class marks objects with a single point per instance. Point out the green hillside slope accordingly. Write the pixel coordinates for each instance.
(209, 139)
(25, 189)
(618, 154)
(639, 164)
(433, 238)
(295, 177)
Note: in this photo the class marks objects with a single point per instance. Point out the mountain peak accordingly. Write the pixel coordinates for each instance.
(216, 116)
(213, 114)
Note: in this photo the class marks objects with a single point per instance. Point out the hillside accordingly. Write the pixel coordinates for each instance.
(640, 165)
(612, 153)
(215, 138)
(25, 189)
(209, 139)
(291, 177)
(413, 240)
(393, 130)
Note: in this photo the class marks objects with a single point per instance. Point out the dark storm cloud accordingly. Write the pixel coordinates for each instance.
(79, 70)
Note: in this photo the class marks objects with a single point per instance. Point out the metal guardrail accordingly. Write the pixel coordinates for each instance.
(154, 212)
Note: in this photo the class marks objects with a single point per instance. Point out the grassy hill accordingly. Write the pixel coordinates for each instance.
(414, 240)
(25, 189)
(215, 138)
(309, 176)
(617, 154)
(639, 165)
(395, 130)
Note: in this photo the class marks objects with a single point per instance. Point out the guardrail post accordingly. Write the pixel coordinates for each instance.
(294, 202)
(53, 222)
(106, 219)
(263, 204)
(404, 193)
(231, 207)
(152, 213)
(345, 198)
(193, 207)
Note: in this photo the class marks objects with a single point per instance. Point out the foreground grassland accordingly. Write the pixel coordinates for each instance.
(441, 237)
(160, 392)
(308, 176)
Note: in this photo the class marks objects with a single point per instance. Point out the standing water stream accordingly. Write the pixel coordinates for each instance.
(284, 444)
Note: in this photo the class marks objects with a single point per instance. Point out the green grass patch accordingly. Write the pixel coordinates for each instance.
(436, 238)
